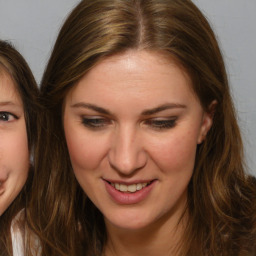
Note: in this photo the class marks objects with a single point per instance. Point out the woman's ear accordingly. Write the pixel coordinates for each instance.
(207, 121)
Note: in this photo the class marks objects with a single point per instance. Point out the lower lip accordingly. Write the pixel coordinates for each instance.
(128, 198)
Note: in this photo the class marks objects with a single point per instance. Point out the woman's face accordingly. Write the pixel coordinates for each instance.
(14, 154)
(132, 126)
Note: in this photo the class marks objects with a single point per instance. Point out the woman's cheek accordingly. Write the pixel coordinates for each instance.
(86, 151)
(175, 153)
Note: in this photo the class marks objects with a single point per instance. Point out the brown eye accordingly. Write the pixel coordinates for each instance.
(7, 117)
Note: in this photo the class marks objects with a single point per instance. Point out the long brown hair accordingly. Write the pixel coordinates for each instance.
(14, 64)
(220, 195)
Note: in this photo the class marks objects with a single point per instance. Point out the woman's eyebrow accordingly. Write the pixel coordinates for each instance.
(92, 107)
(146, 112)
(163, 107)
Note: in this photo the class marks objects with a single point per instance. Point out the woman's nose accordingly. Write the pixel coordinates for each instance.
(127, 153)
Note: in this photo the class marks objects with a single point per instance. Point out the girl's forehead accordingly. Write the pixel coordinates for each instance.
(5, 66)
(8, 88)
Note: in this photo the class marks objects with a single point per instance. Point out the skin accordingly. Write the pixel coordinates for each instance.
(128, 143)
(14, 154)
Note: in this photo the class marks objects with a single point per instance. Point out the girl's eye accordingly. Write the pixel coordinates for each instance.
(7, 117)
(95, 122)
(160, 124)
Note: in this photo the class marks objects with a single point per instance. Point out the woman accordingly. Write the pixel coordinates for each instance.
(142, 153)
(18, 131)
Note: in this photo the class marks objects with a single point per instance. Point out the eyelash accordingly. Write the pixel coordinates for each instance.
(95, 123)
(157, 124)
(161, 124)
(5, 116)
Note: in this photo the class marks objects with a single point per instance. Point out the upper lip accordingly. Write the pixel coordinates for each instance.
(129, 182)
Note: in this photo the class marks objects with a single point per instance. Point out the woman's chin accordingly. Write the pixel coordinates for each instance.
(128, 221)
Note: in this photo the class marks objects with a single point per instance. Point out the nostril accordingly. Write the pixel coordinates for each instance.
(127, 163)
(126, 170)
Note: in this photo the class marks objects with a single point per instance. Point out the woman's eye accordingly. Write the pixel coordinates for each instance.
(161, 123)
(7, 117)
(95, 123)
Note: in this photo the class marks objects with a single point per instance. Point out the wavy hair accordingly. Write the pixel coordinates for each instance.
(221, 202)
(15, 65)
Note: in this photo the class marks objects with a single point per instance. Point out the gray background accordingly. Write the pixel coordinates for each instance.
(32, 26)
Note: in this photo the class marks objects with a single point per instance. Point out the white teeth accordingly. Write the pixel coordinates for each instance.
(132, 188)
(139, 186)
(129, 188)
(123, 188)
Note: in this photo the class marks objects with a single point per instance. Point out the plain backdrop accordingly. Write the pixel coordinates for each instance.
(32, 26)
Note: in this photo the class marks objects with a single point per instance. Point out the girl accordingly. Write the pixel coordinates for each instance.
(18, 131)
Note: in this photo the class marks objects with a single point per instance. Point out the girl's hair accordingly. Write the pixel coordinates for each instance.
(14, 64)
(220, 194)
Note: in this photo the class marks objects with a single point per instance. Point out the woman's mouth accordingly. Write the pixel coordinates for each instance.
(130, 188)
(129, 193)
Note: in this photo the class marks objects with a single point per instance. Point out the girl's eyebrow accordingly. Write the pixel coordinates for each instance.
(146, 112)
(7, 103)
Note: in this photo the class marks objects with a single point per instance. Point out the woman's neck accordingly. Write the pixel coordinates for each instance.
(160, 238)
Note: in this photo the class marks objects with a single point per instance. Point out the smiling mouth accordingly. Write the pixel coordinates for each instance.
(132, 188)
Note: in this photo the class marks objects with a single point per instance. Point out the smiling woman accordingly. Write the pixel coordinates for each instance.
(18, 93)
(125, 161)
(140, 129)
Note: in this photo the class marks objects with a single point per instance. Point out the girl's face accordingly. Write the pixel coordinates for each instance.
(14, 154)
(132, 126)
